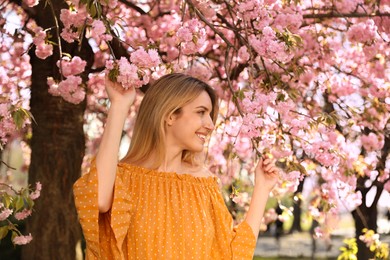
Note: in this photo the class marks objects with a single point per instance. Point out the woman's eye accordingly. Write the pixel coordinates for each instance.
(201, 112)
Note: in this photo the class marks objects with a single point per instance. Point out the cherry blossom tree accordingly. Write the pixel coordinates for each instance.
(304, 81)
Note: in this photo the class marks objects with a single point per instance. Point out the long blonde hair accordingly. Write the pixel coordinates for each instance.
(163, 98)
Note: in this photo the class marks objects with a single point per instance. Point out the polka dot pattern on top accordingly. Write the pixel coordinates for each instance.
(160, 215)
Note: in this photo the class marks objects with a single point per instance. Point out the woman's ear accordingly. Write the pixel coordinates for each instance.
(170, 119)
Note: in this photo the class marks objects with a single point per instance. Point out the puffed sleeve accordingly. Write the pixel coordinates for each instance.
(244, 242)
(239, 239)
(104, 233)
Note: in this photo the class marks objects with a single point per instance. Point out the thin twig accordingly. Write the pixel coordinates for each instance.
(200, 15)
(8, 166)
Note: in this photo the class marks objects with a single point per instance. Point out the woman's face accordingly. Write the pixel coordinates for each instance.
(188, 129)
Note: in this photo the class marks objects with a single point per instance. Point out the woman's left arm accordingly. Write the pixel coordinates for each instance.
(266, 176)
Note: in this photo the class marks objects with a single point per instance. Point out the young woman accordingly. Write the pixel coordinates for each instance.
(160, 201)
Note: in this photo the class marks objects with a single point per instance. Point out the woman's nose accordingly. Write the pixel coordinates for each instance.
(209, 123)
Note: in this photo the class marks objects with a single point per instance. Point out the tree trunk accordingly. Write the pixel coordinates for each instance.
(58, 147)
(297, 212)
(365, 217)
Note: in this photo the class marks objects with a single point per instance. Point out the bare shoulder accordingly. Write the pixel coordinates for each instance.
(200, 171)
(206, 172)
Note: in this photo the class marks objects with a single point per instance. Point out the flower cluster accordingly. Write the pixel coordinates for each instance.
(70, 89)
(19, 205)
(269, 46)
(364, 32)
(372, 142)
(43, 48)
(191, 37)
(7, 124)
(371, 239)
(73, 20)
(137, 71)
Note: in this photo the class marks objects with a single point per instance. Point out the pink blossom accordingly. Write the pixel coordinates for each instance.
(205, 7)
(372, 142)
(144, 59)
(110, 64)
(184, 34)
(243, 55)
(387, 186)
(22, 240)
(110, 3)
(364, 32)
(347, 6)
(241, 199)
(97, 31)
(34, 195)
(291, 180)
(68, 35)
(5, 213)
(75, 18)
(128, 75)
(31, 3)
(270, 216)
(98, 28)
(39, 35)
(74, 66)
(44, 50)
(267, 45)
(195, 42)
(23, 214)
(200, 71)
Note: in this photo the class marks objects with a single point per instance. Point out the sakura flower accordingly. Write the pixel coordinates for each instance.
(34, 195)
(364, 32)
(387, 186)
(243, 55)
(184, 34)
(31, 3)
(372, 142)
(5, 213)
(22, 240)
(144, 59)
(44, 50)
(74, 66)
(23, 214)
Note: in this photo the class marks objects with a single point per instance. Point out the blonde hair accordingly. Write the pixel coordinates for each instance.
(163, 98)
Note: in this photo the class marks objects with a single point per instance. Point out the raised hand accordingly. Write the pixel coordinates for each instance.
(118, 95)
(266, 173)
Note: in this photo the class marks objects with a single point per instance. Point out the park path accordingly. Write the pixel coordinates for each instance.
(299, 244)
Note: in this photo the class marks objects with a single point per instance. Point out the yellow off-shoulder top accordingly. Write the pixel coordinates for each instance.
(160, 215)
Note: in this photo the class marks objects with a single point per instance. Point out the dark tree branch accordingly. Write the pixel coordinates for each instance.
(133, 6)
(342, 15)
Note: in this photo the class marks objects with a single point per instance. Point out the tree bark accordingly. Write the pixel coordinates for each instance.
(365, 217)
(58, 147)
(297, 212)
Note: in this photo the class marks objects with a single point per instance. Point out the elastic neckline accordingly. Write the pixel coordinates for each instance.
(170, 175)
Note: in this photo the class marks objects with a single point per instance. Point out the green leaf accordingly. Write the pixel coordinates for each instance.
(6, 200)
(30, 202)
(92, 10)
(67, 55)
(113, 74)
(19, 203)
(18, 118)
(14, 234)
(3, 232)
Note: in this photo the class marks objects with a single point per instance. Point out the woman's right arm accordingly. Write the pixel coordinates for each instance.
(107, 156)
